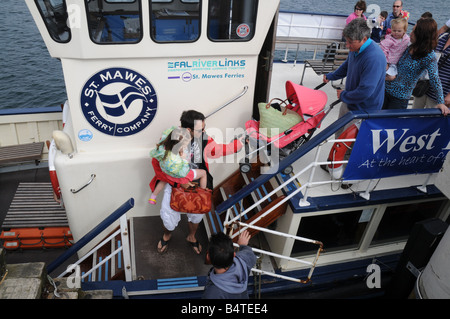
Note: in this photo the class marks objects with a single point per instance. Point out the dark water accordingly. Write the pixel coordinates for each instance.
(30, 78)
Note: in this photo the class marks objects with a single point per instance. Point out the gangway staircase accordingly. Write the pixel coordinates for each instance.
(35, 220)
(117, 249)
(235, 182)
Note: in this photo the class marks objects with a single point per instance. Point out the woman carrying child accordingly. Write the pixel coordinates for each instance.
(203, 147)
(418, 57)
(173, 154)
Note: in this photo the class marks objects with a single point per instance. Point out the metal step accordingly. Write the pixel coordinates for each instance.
(226, 189)
(33, 205)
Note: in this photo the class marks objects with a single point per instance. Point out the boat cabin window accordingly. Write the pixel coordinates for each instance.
(231, 20)
(54, 14)
(175, 20)
(336, 231)
(398, 221)
(114, 21)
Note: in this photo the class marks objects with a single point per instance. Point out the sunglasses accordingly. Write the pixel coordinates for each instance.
(396, 6)
(358, 9)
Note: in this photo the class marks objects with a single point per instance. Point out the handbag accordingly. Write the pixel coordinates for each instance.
(192, 200)
(421, 88)
(276, 119)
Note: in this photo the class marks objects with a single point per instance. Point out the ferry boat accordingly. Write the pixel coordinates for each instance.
(131, 68)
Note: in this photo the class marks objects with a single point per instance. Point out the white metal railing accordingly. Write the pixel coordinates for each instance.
(311, 168)
(243, 226)
(310, 25)
(123, 250)
(301, 45)
(268, 253)
(236, 220)
(307, 32)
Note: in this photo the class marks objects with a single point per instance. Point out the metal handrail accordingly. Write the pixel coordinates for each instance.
(118, 213)
(265, 252)
(245, 89)
(317, 143)
(74, 191)
(93, 251)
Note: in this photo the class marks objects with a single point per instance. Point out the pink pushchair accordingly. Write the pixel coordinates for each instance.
(309, 104)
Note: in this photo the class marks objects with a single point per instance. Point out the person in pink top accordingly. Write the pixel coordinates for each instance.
(358, 12)
(395, 44)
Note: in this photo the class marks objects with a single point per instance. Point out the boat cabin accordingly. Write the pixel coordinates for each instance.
(131, 68)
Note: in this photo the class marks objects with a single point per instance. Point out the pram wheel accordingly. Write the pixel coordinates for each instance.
(245, 167)
(287, 170)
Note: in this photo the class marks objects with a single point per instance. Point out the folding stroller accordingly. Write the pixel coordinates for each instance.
(308, 103)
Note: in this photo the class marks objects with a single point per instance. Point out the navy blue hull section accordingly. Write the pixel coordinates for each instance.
(337, 276)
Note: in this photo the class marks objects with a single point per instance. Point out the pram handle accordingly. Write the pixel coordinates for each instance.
(320, 85)
(334, 103)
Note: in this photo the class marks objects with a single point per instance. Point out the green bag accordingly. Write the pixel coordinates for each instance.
(273, 122)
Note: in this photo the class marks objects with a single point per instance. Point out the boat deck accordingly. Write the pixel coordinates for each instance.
(283, 72)
(179, 261)
(9, 183)
(34, 206)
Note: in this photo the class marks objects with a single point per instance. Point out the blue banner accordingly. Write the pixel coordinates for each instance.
(399, 146)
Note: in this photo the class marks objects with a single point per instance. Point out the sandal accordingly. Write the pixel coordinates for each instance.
(164, 246)
(196, 247)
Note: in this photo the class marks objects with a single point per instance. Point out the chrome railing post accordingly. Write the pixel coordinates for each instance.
(124, 234)
(121, 211)
(304, 201)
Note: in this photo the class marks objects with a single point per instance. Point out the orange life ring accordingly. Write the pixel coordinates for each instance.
(338, 151)
(52, 153)
(52, 170)
(55, 184)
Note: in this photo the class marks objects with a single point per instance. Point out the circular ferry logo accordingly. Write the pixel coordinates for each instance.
(243, 30)
(118, 102)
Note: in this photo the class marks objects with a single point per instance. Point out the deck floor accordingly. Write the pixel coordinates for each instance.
(180, 260)
(34, 206)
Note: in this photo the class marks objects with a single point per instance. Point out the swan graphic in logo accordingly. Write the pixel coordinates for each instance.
(118, 102)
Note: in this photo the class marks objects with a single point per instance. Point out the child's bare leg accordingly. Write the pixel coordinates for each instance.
(159, 187)
(201, 174)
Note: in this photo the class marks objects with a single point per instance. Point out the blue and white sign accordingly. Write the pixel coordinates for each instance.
(400, 146)
(118, 102)
(85, 135)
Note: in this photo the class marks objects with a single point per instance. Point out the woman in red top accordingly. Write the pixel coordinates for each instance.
(203, 148)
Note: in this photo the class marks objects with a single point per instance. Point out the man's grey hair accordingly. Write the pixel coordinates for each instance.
(357, 29)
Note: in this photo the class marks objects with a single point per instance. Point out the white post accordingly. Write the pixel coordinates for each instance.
(126, 247)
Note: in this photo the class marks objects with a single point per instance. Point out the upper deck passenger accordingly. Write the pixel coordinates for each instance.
(364, 69)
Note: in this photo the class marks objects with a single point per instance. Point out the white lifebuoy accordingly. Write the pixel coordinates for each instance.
(65, 113)
(338, 151)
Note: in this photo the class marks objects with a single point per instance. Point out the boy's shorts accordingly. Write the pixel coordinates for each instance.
(170, 217)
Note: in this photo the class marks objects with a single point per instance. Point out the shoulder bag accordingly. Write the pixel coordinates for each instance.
(193, 200)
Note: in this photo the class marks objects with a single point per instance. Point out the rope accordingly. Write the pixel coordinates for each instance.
(4, 276)
(65, 240)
